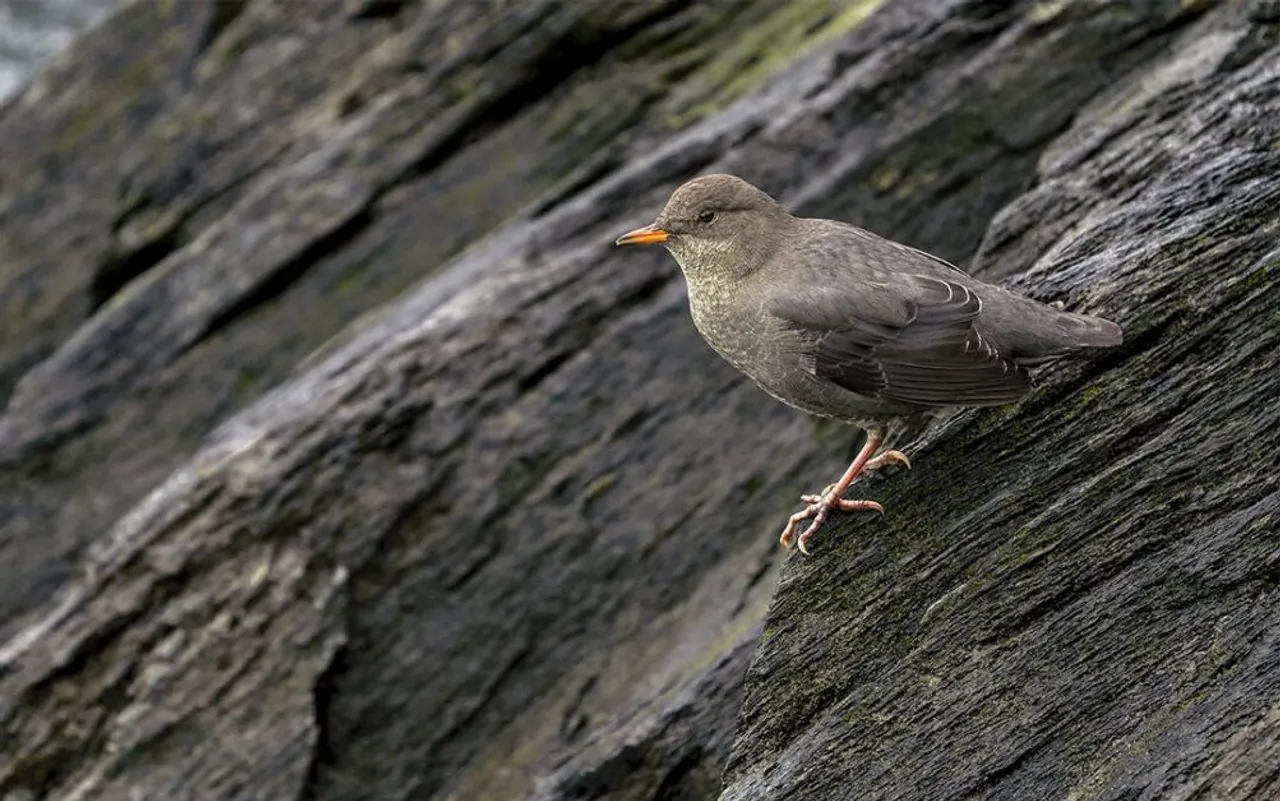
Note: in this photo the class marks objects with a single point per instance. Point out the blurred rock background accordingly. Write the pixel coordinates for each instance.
(33, 31)
(343, 456)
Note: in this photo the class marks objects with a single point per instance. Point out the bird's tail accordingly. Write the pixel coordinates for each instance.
(1068, 332)
(1034, 332)
(1085, 331)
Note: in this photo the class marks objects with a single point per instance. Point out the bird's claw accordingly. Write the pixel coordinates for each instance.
(819, 507)
(887, 458)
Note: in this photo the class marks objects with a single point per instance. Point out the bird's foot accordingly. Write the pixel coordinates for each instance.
(818, 508)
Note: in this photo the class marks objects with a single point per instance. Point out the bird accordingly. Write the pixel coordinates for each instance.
(840, 322)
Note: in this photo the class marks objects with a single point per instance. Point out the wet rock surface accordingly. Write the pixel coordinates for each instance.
(342, 455)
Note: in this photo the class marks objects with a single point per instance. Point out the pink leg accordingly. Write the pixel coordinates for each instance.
(820, 506)
(884, 459)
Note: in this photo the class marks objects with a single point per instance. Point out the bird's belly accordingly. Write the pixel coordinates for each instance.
(816, 396)
(807, 392)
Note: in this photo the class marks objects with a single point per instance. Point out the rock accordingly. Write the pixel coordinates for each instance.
(1075, 599)
(343, 456)
(32, 31)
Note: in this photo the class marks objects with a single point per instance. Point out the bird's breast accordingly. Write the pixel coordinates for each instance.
(757, 344)
(738, 334)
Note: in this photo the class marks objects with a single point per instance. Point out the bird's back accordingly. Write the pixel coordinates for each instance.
(875, 274)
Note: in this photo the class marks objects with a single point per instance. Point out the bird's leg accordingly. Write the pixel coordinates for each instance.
(820, 506)
(883, 460)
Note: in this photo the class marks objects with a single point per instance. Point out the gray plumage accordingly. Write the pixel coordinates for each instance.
(842, 323)
(839, 322)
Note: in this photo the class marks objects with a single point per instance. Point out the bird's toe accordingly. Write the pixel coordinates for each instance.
(859, 506)
(887, 458)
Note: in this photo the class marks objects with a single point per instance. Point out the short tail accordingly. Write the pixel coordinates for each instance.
(1033, 333)
(1092, 332)
(1068, 333)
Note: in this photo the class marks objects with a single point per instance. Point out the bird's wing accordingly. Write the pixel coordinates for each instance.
(911, 341)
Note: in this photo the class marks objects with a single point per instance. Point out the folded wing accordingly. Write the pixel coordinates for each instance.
(918, 348)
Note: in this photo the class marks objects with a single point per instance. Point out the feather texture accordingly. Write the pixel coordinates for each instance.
(934, 357)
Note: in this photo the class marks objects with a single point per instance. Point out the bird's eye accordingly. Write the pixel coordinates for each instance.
(706, 216)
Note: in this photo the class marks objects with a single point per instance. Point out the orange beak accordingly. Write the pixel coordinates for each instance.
(649, 235)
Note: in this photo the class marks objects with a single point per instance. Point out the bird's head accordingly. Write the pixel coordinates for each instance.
(717, 226)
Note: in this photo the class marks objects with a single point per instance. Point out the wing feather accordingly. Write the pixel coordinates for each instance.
(923, 352)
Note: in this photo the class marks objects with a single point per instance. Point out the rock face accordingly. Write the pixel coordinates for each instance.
(32, 31)
(343, 457)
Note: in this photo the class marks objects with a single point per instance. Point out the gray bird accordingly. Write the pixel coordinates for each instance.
(841, 323)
